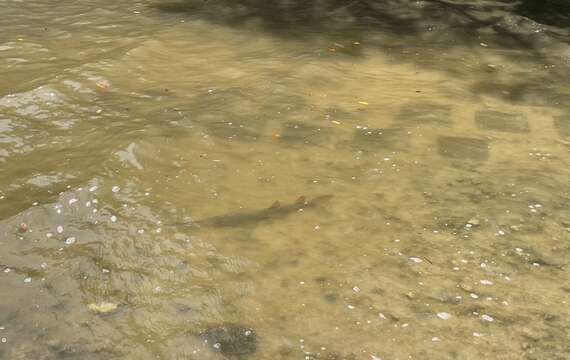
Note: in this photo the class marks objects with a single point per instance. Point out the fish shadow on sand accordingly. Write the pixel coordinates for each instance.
(255, 217)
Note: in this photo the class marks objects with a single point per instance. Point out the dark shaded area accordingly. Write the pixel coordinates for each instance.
(506, 23)
(549, 12)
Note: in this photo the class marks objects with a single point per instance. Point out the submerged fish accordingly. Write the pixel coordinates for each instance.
(273, 212)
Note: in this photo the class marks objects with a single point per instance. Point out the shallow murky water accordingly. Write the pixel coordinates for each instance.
(284, 180)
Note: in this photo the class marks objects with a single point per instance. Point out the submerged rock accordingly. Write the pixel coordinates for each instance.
(231, 339)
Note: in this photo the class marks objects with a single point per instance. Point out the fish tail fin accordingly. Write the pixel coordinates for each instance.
(301, 200)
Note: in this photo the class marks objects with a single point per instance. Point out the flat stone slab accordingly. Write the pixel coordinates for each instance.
(231, 339)
(233, 131)
(500, 121)
(418, 113)
(301, 133)
(463, 148)
(391, 139)
(562, 125)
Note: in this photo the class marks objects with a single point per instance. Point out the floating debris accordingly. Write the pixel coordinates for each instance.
(92, 188)
(116, 189)
(415, 259)
(23, 227)
(444, 315)
(487, 317)
(103, 307)
(486, 282)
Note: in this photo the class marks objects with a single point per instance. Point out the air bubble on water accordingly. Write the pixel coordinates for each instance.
(217, 346)
(113, 218)
(115, 189)
(518, 249)
(351, 307)
(474, 296)
(4, 340)
(71, 201)
(70, 240)
(158, 231)
(382, 316)
(435, 338)
(141, 231)
(28, 280)
(48, 235)
(58, 211)
(444, 315)
(95, 201)
(59, 229)
(247, 332)
(88, 204)
(486, 282)
(483, 265)
(476, 334)
(356, 289)
(7, 270)
(487, 317)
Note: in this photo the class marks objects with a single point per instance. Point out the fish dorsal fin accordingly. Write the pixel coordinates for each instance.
(275, 205)
(301, 200)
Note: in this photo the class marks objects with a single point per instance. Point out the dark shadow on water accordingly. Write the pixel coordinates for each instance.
(420, 32)
(505, 23)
